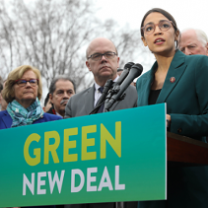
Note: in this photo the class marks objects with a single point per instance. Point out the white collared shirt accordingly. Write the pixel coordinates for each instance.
(58, 114)
(98, 94)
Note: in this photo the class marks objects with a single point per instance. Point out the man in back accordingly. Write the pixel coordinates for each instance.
(193, 42)
(102, 61)
(60, 90)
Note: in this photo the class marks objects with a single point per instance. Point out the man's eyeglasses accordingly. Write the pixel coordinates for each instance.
(98, 56)
(23, 82)
(164, 25)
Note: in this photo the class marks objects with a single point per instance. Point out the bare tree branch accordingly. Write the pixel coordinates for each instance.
(53, 36)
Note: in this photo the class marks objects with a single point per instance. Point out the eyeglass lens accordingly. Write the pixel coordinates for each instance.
(24, 82)
(98, 56)
(163, 25)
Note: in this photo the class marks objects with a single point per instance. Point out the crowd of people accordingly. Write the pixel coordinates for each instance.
(176, 78)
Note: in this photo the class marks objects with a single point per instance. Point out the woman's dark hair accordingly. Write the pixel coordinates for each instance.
(163, 12)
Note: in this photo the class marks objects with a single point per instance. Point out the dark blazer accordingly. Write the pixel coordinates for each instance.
(83, 102)
(187, 103)
(6, 120)
(51, 110)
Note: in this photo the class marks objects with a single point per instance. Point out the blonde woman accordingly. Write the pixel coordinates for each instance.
(22, 92)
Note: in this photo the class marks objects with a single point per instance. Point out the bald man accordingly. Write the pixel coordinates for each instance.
(102, 61)
(193, 42)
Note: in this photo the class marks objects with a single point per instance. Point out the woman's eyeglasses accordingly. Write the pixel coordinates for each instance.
(164, 25)
(23, 82)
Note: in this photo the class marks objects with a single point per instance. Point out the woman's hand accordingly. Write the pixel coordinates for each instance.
(168, 120)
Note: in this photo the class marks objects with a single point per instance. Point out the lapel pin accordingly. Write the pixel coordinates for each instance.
(172, 79)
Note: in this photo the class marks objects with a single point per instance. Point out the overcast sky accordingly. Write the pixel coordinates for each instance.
(187, 13)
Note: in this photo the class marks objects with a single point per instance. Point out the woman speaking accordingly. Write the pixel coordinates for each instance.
(181, 82)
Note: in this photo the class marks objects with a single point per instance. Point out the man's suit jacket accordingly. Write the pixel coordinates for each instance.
(51, 110)
(185, 91)
(83, 102)
(6, 120)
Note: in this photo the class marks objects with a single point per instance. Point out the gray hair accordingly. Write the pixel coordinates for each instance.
(202, 37)
(52, 87)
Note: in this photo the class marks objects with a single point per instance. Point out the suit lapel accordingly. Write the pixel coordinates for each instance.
(89, 106)
(174, 74)
(7, 119)
(146, 87)
(146, 83)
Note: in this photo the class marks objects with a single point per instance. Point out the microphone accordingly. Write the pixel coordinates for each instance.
(116, 85)
(125, 72)
(134, 72)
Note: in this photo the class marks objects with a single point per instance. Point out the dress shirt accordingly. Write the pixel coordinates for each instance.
(59, 114)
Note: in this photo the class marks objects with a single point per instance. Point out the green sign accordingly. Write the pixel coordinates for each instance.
(108, 157)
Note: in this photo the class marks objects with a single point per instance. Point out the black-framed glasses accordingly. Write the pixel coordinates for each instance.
(23, 82)
(98, 56)
(164, 25)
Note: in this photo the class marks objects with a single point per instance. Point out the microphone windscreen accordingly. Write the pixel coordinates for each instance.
(138, 67)
(128, 65)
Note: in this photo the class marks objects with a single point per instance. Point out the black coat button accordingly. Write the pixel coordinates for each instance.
(179, 130)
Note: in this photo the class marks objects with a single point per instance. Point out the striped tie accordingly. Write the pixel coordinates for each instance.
(102, 106)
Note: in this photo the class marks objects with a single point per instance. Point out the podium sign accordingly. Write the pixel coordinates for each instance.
(107, 157)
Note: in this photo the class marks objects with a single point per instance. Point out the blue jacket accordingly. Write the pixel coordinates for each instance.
(6, 120)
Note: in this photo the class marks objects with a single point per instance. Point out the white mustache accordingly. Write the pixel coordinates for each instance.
(64, 100)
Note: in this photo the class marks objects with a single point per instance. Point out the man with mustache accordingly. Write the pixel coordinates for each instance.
(102, 61)
(60, 90)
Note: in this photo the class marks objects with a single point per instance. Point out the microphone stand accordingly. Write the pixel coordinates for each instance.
(120, 205)
(118, 90)
(113, 92)
(111, 88)
(117, 93)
